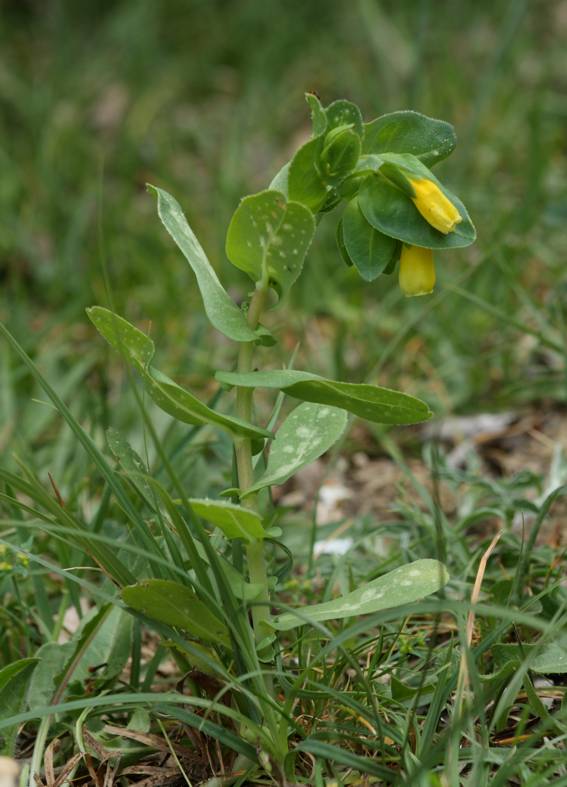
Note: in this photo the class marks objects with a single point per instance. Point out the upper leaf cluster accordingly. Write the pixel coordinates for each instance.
(367, 167)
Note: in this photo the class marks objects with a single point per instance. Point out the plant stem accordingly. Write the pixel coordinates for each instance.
(243, 449)
(256, 559)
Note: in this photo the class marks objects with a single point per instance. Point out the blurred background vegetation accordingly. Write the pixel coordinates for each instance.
(205, 98)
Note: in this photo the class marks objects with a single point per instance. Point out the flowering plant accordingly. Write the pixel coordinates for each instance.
(218, 602)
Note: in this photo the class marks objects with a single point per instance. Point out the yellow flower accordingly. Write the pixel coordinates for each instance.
(417, 271)
(434, 206)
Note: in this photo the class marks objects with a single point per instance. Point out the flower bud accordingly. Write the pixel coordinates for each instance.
(417, 271)
(434, 206)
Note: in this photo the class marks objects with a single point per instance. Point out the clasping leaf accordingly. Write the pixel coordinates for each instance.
(234, 521)
(410, 132)
(380, 405)
(268, 238)
(308, 431)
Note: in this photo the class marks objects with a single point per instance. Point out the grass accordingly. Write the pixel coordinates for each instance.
(201, 98)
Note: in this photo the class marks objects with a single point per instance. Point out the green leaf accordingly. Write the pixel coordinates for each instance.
(183, 406)
(551, 659)
(391, 211)
(234, 521)
(139, 349)
(43, 683)
(269, 237)
(305, 183)
(221, 310)
(318, 115)
(340, 237)
(103, 639)
(14, 680)
(307, 432)
(280, 180)
(339, 155)
(247, 591)
(396, 588)
(130, 462)
(344, 113)
(371, 251)
(380, 405)
(327, 158)
(410, 132)
(176, 605)
(134, 345)
(124, 453)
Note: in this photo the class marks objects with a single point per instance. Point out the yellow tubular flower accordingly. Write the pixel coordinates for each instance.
(417, 271)
(434, 206)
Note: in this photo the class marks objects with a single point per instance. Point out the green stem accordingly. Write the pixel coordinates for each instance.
(243, 449)
(256, 559)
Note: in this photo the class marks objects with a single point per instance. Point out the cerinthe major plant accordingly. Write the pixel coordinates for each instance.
(395, 212)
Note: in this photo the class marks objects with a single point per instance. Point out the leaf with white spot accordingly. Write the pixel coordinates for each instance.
(269, 237)
(401, 586)
(139, 349)
(344, 113)
(372, 402)
(234, 521)
(221, 310)
(134, 345)
(307, 432)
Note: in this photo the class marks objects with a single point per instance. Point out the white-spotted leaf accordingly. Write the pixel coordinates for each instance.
(268, 237)
(134, 345)
(381, 405)
(221, 310)
(401, 586)
(307, 432)
(344, 113)
(234, 521)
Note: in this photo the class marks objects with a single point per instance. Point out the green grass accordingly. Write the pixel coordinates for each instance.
(202, 98)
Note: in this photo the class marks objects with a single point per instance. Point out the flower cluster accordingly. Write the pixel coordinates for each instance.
(417, 267)
(395, 210)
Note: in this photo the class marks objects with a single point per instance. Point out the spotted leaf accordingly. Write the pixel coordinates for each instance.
(269, 236)
(307, 432)
(396, 588)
